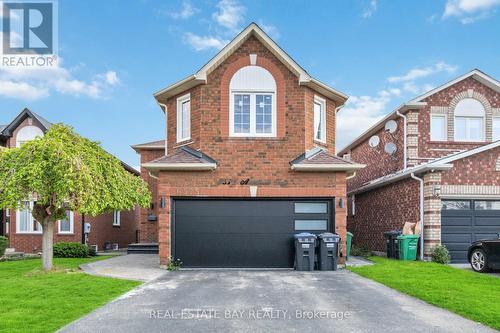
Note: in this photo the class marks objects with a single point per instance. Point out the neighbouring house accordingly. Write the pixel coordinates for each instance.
(443, 143)
(248, 160)
(25, 234)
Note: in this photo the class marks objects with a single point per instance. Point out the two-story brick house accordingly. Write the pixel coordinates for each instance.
(25, 233)
(443, 168)
(248, 160)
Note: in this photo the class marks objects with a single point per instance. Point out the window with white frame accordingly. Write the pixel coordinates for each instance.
(27, 133)
(116, 218)
(319, 119)
(66, 226)
(25, 223)
(496, 128)
(469, 120)
(184, 118)
(252, 103)
(438, 127)
(353, 205)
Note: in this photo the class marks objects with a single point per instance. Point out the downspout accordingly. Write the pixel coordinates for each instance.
(405, 164)
(421, 181)
(164, 109)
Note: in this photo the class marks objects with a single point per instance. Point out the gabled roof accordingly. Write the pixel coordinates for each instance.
(475, 74)
(200, 77)
(417, 103)
(442, 163)
(318, 160)
(183, 158)
(26, 113)
(159, 144)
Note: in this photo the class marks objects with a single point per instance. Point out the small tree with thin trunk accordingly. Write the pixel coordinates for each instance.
(63, 171)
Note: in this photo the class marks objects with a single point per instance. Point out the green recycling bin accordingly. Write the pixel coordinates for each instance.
(408, 247)
(349, 241)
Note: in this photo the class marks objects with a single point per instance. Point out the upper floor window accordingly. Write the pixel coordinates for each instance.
(496, 128)
(184, 118)
(438, 127)
(319, 119)
(27, 133)
(252, 103)
(469, 120)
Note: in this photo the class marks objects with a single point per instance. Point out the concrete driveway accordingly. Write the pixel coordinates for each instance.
(264, 301)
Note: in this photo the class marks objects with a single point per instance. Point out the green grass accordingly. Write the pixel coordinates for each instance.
(33, 301)
(471, 295)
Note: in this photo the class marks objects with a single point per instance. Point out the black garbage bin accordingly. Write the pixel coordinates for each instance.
(305, 246)
(392, 243)
(328, 245)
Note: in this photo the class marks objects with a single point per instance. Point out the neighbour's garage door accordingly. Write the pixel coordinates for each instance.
(465, 221)
(244, 233)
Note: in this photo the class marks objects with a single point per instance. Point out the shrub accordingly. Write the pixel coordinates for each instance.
(360, 251)
(70, 250)
(3, 245)
(92, 251)
(174, 264)
(440, 254)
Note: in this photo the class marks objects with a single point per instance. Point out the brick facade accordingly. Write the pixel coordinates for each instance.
(265, 162)
(383, 209)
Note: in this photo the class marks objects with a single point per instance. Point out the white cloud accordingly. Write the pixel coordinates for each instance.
(418, 73)
(469, 11)
(22, 90)
(201, 43)
(230, 14)
(360, 113)
(32, 83)
(186, 11)
(111, 78)
(370, 9)
(270, 29)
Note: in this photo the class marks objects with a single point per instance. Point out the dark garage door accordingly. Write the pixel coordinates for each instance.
(465, 221)
(244, 233)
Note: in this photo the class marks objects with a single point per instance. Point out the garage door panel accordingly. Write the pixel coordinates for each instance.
(485, 235)
(493, 222)
(231, 224)
(238, 250)
(456, 238)
(459, 228)
(458, 256)
(237, 232)
(460, 221)
(235, 209)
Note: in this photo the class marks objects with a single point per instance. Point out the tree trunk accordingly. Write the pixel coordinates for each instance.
(47, 244)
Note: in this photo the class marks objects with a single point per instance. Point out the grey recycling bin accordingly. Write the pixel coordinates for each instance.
(328, 251)
(305, 245)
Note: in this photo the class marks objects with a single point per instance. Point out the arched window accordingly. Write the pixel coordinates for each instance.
(252, 103)
(469, 120)
(27, 133)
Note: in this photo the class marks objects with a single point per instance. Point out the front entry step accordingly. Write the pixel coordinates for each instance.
(136, 248)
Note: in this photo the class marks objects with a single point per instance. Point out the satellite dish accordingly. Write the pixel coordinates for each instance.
(374, 141)
(390, 148)
(391, 126)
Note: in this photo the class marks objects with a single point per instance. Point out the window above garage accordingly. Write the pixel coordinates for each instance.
(469, 120)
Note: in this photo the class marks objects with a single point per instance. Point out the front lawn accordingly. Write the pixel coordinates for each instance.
(471, 295)
(33, 301)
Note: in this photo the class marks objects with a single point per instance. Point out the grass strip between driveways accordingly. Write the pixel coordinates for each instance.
(469, 294)
(33, 301)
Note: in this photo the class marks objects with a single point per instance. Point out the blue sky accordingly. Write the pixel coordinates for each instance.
(116, 54)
